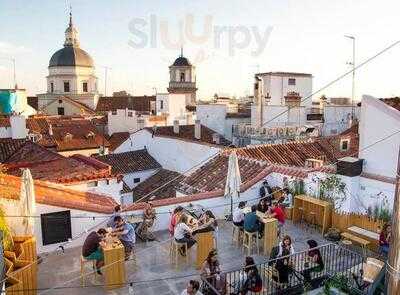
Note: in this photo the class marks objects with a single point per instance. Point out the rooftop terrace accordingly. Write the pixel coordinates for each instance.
(153, 266)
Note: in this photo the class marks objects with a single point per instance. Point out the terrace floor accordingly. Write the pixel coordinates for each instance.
(62, 271)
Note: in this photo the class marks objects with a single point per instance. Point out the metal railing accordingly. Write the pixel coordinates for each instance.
(295, 274)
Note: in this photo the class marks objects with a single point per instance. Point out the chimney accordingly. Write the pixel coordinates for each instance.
(197, 129)
(176, 126)
(50, 130)
(216, 138)
(18, 127)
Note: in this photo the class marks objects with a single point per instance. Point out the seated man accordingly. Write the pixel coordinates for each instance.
(126, 234)
(92, 248)
(192, 288)
(251, 223)
(238, 215)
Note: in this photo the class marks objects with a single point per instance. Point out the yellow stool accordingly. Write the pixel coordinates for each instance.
(248, 241)
(83, 262)
(237, 234)
(174, 251)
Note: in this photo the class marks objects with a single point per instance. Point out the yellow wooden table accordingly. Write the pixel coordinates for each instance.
(114, 264)
(309, 208)
(270, 232)
(205, 243)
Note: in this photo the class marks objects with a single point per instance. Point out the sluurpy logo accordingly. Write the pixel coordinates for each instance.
(154, 33)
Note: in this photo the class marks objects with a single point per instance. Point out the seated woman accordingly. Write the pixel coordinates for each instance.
(282, 265)
(313, 255)
(250, 280)
(206, 223)
(262, 206)
(183, 234)
(175, 216)
(211, 272)
(384, 239)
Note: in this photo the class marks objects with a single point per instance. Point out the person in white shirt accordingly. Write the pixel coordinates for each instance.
(183, 234)
(287, 199)
(238, 215)
(192, 288)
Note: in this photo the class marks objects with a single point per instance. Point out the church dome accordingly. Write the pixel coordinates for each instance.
(181, 62)
(71, 56)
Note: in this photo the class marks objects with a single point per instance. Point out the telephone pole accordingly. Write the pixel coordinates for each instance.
(393, 264)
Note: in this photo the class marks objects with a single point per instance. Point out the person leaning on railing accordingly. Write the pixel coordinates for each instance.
(211, 272)
(314, 256)
(250, 279)
(281, 261)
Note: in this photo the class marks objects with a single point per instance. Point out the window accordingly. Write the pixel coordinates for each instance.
(344, 145)
(136, 180)
(66, 87)
(130, 114)
(84, 87)
(182, 79)
(60, 111)
(51, 87)
(56, 227)
(161, 104)
(292, 81)
(114, 112)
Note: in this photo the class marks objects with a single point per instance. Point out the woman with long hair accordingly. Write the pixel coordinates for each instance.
(211, 272)
(281, 259)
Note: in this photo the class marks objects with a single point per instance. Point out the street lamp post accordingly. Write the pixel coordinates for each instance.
(353, 63)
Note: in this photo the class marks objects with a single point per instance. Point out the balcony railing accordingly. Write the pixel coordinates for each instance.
(303, 276)
(183, 85)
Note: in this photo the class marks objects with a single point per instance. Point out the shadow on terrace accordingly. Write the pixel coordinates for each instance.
(153, 272)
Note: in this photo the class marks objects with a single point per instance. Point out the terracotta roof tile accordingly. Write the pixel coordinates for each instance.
(394, 102)
(135, 103)
(116, 139)
(164, 182)
(55, 195)
(129, 162)
(5, 122)
(186, 132)
(84, 133)
(48, 165)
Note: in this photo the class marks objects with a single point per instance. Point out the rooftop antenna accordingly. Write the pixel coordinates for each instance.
(181, 51)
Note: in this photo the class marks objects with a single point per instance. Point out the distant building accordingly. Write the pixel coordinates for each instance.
(65, 135)
(71, 75)
(183, 79)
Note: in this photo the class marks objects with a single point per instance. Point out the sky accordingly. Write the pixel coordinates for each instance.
(228, 42)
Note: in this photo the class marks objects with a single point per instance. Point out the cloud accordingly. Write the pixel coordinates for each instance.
(12, 49)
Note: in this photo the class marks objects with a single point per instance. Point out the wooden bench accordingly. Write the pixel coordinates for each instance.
(363, 243)
(372, 237)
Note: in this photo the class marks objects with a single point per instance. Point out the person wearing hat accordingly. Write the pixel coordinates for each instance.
(211, 272)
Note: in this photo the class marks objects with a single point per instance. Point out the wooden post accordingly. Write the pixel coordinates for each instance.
(393, 267)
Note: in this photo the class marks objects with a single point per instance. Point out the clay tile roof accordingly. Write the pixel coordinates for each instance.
(50, 166)
(129, 162)
(5, 122)
(212, 175)
(55, 195)
(394, 102)
(186, 132)
(135, 103)
(33, 102)
(164, 181)
(79, 128)
(116, 139)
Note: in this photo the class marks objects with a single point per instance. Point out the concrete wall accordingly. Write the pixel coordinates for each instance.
(112, 189)
(173, 154)
(123, 121)
(143, 175)
(213, 116)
